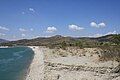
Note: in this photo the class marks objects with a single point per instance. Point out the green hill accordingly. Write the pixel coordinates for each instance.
(61, 41)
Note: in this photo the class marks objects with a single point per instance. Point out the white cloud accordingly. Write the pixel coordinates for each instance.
(31, 9)
(51, 29)
(25, 30)
(114, 32)
(102, 24)
(31, 29)
(22, 30)
(4, 28)
(1, 34)
(94, 24)
(75, 27)
(23, 35)
(98, 35)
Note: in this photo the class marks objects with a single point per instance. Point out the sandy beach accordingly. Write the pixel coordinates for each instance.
(54, 64)
(36, 70)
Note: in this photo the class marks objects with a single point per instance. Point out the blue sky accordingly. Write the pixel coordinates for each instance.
(32, 18)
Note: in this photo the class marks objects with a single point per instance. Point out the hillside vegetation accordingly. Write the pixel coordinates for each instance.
(62, 42)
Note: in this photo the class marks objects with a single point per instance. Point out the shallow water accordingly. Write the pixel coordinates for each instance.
(14, 62)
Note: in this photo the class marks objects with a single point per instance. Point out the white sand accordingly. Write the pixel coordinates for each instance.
(3, 46)
(37, 66)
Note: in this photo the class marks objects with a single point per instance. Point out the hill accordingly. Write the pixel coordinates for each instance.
(62, 41)
(3, 40)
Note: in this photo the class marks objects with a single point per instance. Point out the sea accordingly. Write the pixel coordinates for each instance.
(15, 62)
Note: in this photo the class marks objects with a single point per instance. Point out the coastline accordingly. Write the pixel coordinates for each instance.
(36, 68)
(4, 46)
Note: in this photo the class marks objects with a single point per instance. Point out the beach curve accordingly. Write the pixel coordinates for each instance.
(36, 69)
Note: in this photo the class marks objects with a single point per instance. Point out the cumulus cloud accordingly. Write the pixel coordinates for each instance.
(51, 29)
(75, 27)
(4, 28)
(94, 24)
(22, 30)
(102, 24)
(2, 34)
(31, 9)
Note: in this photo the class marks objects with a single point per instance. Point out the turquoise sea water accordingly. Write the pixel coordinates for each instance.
(14, 62)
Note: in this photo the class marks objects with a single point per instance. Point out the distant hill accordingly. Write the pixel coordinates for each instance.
(59, 40)
(3, 40)
(41, 41)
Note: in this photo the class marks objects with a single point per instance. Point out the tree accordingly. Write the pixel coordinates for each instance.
(116, 39)
(79, 44)
(63, 44)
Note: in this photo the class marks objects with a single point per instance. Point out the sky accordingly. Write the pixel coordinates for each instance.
(27, 19)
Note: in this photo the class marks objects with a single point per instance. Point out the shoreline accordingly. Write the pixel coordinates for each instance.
(36, 68)
(4, 46)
